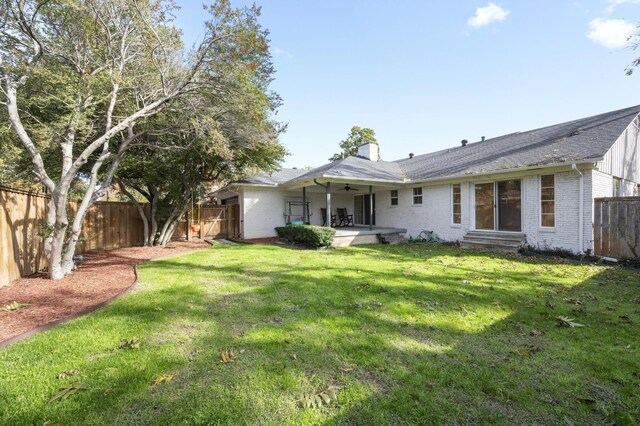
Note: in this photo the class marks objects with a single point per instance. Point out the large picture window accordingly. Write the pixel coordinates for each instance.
(456, 203)
(547, 201)
(417, 196)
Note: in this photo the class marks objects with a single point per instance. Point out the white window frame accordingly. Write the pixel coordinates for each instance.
(391, 198)
(413, 196)
(555, 201)
(451, 204)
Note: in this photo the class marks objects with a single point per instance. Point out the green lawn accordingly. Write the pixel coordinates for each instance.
(409, 334)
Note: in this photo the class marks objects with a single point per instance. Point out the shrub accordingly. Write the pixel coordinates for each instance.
(307, 235)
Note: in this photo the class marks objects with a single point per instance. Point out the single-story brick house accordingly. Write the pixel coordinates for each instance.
(535, 187)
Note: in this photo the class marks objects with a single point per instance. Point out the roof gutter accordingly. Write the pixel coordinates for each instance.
(519, 169)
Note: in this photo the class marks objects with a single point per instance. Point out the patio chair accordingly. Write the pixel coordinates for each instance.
(323, 212)
(345, 218)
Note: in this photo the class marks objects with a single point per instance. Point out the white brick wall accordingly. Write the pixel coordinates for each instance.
(434, 214)
(565, 234)
(602, 184)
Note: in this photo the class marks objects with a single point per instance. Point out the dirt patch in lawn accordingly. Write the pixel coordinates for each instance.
(99, 277)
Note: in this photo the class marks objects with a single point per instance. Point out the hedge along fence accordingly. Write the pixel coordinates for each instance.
(107, 225)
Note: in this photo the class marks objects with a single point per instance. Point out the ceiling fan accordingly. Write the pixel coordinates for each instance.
(348, 188)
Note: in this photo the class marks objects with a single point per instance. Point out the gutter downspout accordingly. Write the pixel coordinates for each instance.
(580, 209)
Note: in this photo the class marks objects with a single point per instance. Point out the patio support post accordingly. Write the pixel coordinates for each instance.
(329, 204)
(304, 205)
(370, 207)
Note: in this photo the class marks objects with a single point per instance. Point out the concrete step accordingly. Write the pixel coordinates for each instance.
(391, 238)
(495, 236)
(494, 241)
(488, 246)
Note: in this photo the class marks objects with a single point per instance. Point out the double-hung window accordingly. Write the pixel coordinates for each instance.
(547, 201)
(456, 204)
(417, 196)
(393, 197)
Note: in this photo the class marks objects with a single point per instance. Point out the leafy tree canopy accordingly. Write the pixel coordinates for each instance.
(357, 137)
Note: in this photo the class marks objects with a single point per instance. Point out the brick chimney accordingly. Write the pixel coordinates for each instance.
(369, 150)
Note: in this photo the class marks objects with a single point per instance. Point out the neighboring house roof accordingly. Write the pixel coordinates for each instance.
(586, 139)
(274, 179)
(357, 168)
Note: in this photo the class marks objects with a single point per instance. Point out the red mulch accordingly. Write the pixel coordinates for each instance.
(99, 277)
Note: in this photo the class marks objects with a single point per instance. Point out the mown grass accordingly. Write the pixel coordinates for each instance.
(410, 334)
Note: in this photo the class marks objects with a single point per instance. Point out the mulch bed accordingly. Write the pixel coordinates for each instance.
(99, 277)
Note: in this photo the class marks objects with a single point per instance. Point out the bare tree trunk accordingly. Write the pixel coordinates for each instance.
(56, 231)
(154, 219)
(169, 226)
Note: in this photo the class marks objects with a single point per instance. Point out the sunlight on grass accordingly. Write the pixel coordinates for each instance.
(408, 333)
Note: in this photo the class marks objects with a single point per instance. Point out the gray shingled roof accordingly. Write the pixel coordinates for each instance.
(357, 168)
(583, 139)
(275, 178)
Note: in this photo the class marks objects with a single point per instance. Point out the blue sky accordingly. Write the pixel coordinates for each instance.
(426, 74)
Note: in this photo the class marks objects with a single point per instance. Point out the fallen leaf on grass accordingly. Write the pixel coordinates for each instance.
(63, 374)
(378, 304)
(165, 378)
(294, 357)
(568, 322)
(587, 401)
(346, 369)
(573, 301)
(536, 333)
(67, 390)
(14, 306)
(228, 356)
(317, 400)
(129, 344)
(520, 352)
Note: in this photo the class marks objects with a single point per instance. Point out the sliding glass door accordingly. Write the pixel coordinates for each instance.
(498, 206)
(361, 214)
(485, 206)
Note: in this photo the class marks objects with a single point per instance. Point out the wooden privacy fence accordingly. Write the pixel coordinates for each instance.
(107, 225)
(616, 227)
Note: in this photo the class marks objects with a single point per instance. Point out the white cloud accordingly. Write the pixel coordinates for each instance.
(487, 15)
(611, 33)
(612, 4)
(281, 52)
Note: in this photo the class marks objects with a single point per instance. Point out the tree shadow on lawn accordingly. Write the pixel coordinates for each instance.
(403, 347)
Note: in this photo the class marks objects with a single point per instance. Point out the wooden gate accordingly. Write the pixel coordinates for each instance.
(234, 220)
(616, 227)
(215, 222)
